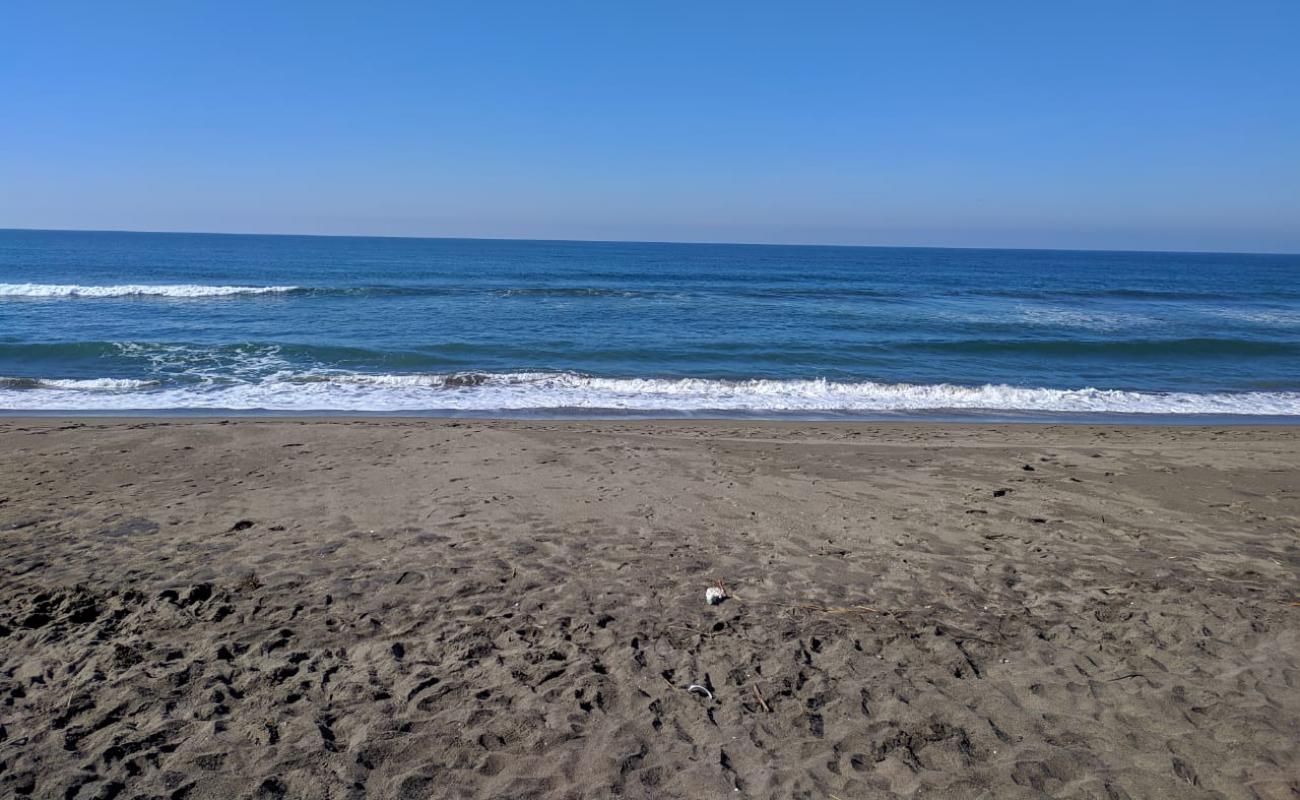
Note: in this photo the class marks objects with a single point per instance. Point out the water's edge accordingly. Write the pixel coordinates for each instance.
(565, 415)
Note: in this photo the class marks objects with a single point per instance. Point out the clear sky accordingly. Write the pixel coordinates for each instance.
(1095, 124)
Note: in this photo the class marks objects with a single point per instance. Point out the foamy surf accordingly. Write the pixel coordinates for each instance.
(89, 385)
(59, 290)
(538, 392)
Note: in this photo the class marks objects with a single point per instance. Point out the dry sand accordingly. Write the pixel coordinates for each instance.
(420, 609)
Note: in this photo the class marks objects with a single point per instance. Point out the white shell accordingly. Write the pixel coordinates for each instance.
(713, 595)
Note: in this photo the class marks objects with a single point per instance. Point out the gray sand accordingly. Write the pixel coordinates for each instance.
(420, 609)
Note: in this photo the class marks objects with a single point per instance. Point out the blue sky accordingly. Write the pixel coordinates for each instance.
(1144, 125)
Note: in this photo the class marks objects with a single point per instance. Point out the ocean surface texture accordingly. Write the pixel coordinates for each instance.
(165, 322)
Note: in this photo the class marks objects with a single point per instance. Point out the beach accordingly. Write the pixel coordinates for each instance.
(404, 608)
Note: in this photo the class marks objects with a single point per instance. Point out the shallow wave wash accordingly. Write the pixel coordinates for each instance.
(540, 392)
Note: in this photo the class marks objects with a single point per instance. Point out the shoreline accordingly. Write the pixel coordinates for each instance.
(1099, 420)
(413, 607)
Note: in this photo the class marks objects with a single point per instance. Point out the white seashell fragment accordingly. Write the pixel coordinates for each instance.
(698, 689)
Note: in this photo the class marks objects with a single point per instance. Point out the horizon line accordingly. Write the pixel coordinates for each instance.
(647, 241)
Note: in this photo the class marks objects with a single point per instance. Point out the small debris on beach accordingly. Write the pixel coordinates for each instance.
(698, 689)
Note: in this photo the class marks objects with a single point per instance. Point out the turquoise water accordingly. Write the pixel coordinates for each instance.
(150, 322)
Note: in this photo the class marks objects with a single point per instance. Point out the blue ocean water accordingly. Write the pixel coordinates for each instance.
(95, 321)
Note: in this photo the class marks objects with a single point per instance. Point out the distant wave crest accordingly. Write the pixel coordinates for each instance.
(525, 392)
(55, 290)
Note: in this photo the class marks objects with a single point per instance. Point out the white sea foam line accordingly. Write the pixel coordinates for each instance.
(542, 391)
(1077, 318)
(1280, 319)
(54, 290)
(98, 384)
(72, 384)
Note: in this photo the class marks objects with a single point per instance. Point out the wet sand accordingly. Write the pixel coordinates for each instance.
(447, 609)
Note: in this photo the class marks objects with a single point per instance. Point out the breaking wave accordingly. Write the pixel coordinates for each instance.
(533, 392)
(71, 384)
(72, 290)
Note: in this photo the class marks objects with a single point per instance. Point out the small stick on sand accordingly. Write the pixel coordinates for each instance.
(1129, 675)
(823, 609)
(849, 610)
(834, 609)
(759, 695)
(685, 628)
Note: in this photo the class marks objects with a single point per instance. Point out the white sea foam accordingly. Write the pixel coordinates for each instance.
(88, 385)
(1271, 318)
(539, 392)
(1054, 316)
(55, 290)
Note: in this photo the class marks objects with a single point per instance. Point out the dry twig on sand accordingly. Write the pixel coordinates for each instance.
(820, 609)
(691, 630)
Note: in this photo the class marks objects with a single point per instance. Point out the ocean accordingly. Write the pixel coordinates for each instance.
(184, 323)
